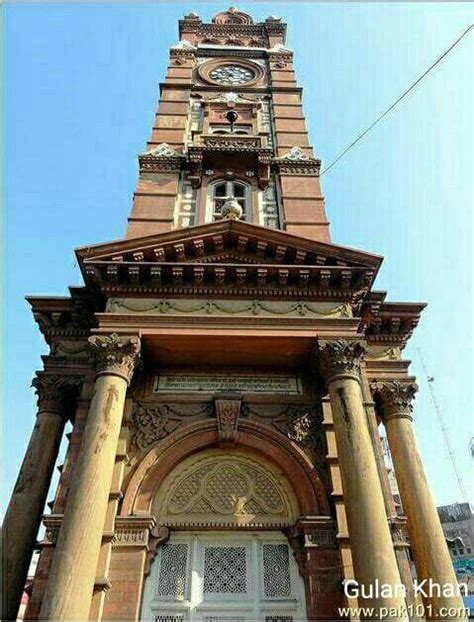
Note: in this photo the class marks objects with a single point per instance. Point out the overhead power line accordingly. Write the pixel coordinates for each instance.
(397, 101)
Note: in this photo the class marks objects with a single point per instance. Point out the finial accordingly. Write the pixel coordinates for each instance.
(232, 210)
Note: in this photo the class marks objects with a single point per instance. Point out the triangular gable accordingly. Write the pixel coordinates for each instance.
(227, 242)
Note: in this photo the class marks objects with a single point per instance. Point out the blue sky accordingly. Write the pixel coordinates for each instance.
(81, 84)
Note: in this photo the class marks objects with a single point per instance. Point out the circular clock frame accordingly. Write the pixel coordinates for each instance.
(210, 67)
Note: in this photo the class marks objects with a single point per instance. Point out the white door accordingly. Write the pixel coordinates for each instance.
(224, 577)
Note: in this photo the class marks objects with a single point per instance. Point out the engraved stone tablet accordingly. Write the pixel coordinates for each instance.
(287, 384)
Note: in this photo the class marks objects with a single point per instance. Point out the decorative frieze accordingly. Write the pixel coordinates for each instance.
(139, 531)
(297, 162)
(115, 355)
(168, 306)
(383, 353)
(161, 159)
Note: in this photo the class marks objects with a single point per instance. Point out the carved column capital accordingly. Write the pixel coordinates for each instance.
(396, 398)
(115, 355)
(53, 391)
(340, 357)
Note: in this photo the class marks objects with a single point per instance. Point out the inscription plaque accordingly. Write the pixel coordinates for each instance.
(213, 383)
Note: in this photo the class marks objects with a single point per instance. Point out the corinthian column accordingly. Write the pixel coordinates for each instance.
(428, 544)
(23, 516)
(71, 579)
(369, 532)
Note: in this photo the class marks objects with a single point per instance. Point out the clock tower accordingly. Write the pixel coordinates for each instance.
(226, 368)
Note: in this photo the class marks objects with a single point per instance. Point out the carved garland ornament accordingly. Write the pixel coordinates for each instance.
(210, 307)
(115, 355)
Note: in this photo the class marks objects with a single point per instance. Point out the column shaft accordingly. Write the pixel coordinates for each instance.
(23, 516)
(71, 579)
(369, 532)
(70, 585)
(428, 542)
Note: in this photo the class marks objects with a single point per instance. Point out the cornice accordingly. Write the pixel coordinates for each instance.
(267, 280)
(215, 237)
(263, 90)
(66, 320)
(389, 323)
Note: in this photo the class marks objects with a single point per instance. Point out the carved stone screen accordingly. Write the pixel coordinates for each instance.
(224, 576)
(218, 490)
(225, 570)
(172, 578)
(276, 570)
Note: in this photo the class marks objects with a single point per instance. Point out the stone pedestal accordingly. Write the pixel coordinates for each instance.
(23, 516)
(369, 531)
(428, 543)
(71, 581)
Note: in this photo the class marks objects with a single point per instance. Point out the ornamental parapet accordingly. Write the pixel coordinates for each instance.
(395, 398)
(161, 159)
(297, 162)
(114, 355)
(55, 391)
(340, 357)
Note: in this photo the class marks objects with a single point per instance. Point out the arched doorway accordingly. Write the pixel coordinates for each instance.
(227, 559)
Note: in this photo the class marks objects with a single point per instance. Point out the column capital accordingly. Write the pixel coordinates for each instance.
(396, 397)
(53, 390)
(340, 357)
(115, 355)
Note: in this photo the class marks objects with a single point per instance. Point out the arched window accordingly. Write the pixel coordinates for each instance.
(222, 191)
(227, 129)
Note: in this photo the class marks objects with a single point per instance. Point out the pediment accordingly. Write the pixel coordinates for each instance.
(228, 242)
(232, 257)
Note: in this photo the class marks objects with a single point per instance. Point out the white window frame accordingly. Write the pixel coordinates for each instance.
(236, 130)
(210, 212)
(253, 605)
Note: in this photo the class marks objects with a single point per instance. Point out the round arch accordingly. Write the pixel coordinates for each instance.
(253, 439)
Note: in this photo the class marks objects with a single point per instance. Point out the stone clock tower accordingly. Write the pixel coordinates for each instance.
(226, 368)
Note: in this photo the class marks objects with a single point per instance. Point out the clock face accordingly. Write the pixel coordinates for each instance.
(231, 74)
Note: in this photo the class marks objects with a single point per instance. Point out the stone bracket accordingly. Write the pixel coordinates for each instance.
(399, 531)
(52, 523)
(227, 414)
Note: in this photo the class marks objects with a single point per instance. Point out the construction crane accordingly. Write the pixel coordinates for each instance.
(444, 429)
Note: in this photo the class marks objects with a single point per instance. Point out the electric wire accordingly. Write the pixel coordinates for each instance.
(396, 102)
